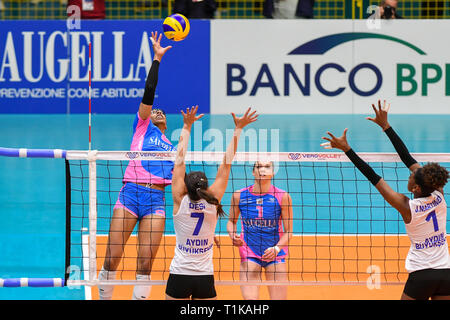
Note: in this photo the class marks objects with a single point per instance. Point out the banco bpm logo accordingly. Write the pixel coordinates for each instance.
(323, 44)
(410, 78)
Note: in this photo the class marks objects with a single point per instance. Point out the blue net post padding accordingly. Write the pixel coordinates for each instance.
(32, 153)
(32, 282)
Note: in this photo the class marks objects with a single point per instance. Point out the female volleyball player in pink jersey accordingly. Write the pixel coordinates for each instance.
(141, 199)
(264, 211)
(425, 216)
(196, 207)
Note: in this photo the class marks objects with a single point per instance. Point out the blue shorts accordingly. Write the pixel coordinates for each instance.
(265, 264)
(141, 201)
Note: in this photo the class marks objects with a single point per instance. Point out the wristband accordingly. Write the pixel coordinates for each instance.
(277, 249)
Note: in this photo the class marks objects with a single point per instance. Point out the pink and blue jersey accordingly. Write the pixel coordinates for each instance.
(261, 222)
(148, 137)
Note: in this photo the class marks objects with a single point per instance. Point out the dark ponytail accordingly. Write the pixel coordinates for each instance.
(203, 194)
(197, 185)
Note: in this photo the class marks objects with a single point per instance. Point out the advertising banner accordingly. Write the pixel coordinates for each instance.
(44, 67)
(275, 66)
(330, 66)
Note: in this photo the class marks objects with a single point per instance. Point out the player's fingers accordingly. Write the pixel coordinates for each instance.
(247, 112)
(254, 117)
(252, 114)
(326, 145)
(374, 108)
(331, 135)
(345, 133)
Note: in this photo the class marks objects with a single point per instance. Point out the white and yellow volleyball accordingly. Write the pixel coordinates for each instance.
(176, 27)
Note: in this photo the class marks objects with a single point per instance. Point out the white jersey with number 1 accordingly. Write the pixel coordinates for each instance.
(427, 232)
(195, 225)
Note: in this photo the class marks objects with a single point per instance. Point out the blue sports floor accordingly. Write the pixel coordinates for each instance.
(32, 191)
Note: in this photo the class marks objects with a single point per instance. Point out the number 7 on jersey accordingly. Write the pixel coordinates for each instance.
(200, 216)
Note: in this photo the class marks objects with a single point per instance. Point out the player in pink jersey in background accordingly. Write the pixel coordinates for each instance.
(264, 211)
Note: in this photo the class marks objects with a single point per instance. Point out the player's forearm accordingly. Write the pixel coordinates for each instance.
(284, 241)
(183, 144)
(400, 147)
(285, 238)
(231, 228)
(232, 147)
(150, 84)
(363, 167)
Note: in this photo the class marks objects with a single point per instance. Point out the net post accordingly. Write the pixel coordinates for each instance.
(92, 158)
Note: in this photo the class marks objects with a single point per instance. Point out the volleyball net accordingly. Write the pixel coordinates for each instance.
(343, 230)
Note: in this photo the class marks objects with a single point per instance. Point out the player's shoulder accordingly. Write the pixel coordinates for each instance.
(278, 190)
(440, 193)
(243, 190)
(280, 193)
(140, 120)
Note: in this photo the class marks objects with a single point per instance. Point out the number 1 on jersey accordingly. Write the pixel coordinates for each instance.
(200, 216)
(432, 215)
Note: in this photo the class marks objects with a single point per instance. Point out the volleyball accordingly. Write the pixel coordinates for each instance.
(176, 27)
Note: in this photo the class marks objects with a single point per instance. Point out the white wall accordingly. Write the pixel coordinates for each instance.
(263, 46)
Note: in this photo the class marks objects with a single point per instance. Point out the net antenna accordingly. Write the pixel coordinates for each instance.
(91, 157)
(90, 97)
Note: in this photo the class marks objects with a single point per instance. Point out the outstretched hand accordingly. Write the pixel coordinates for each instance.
(191, 115)
(381, 115)
(158, 51)
(338, 143)
(246, 119)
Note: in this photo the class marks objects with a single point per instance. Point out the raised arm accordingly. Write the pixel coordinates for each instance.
(220, 184)
(381, 119)
(397, 200)
(145, 108)
(179, 169)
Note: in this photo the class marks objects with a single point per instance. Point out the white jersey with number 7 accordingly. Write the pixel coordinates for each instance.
(195, 225)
